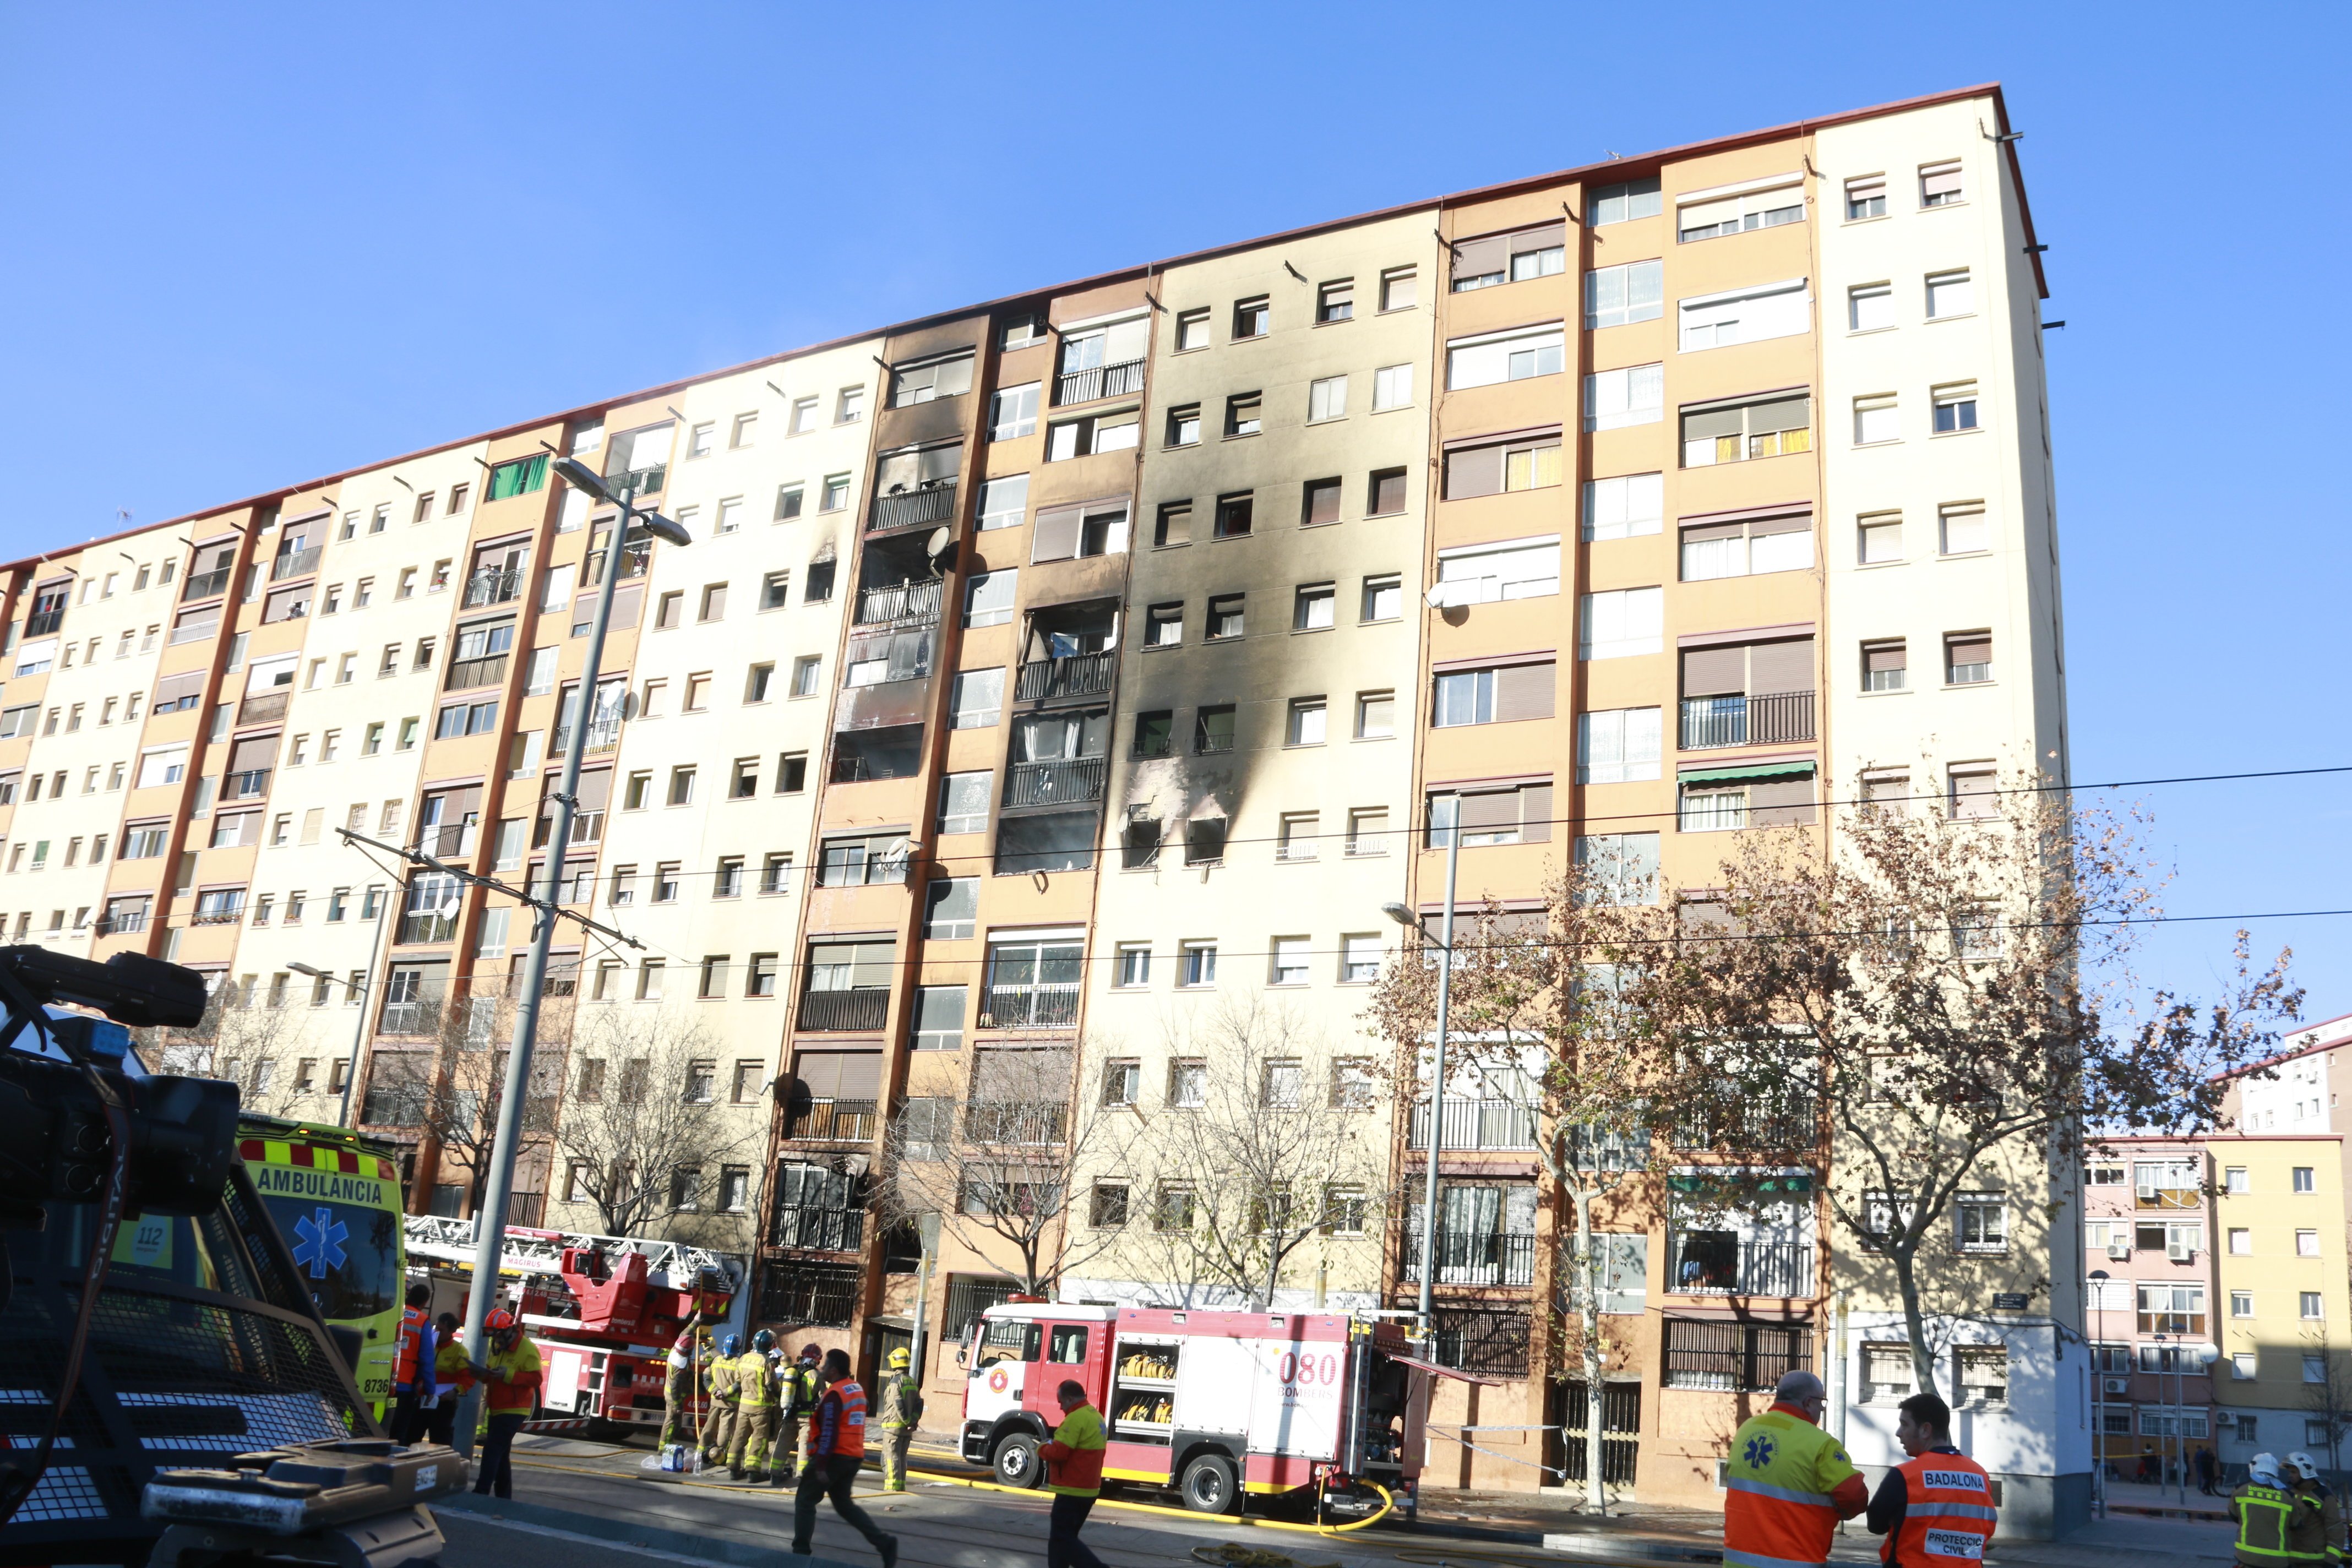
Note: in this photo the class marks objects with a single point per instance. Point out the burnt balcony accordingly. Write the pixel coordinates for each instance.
(913, 508)
(1098, 381)
(493, 585)
(1067, 781)
(467, 673)
(267, 708)
(250, 784)
(900, 604)
(196, 585)
(861, 1010)
(1029, 1008)
(833, 1120)
(1759, 720)
(1077, 675)
(1465, 1257)
(1718, 1263)
(296, 563)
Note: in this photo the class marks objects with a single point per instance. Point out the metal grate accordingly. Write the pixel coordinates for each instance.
(970, 1295)
(1731, 1355)
(1482, 1338)
(1620, 1426)
(819, 1295)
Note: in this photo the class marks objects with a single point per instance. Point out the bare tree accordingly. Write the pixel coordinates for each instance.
(645, 1123)
(999, 1167)
(251, 1039)
(2328, 1398)
(1951, 992)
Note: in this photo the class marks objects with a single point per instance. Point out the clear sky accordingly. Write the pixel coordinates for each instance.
(241, 246)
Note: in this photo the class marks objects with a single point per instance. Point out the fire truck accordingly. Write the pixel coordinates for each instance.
(1219, 1406)
(603, 1310)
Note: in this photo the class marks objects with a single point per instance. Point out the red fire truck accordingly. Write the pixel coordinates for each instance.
(1219, 1406)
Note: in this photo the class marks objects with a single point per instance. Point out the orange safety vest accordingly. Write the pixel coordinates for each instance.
(1947, 1513)
(412, 1333)
(849, 1433)
(1779, 1510)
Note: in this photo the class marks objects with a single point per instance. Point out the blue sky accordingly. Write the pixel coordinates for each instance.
(242, 247)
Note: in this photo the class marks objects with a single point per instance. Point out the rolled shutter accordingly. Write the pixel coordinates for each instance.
(252, 753)
(1488, 812)
(1711, 422)
(1125, 341)
(595, 791)
(1057, 533)
(1781, 413)
(1971, 650)
(190, 625)
(714, 603)
(1535, 813)
(1476, 257)
(1891, 657)
(1714, 531)
(1714, 671)
(873, 962)
(1524, 692)
(172, 689)
(1781, 803)
(1544, 238)
(860, 1076)
(628, 603)
(818, 1074)
(1781, 666)
(1477, 472)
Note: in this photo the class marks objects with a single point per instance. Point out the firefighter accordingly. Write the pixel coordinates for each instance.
(902, 1407)
(1787, 1483)
(512, 1371)
(836, 1449)
(2266, 1512)
(2318, 1542)
(755, 1412)
(796, 1402)
(411, 1369)
(719, 1439)
(1934, 1508)
(678, 1387)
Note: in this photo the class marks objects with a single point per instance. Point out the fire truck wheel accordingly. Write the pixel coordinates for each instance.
(1016, 1461)
(1208, 1486)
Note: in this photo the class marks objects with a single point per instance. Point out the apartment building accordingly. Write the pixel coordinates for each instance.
(2283, 1378)
(1057, 687)
(2149, 1272)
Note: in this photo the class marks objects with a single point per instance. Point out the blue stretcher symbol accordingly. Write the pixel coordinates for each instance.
(319, 1242)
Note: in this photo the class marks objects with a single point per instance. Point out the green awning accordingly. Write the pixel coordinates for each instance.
(1741, 1180)
(1753, 770)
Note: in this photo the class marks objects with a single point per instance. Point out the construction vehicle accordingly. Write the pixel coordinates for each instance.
(603, 1310)
(1219, 1406)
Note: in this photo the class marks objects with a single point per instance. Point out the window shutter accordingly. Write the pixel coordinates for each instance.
(595, 792)
(172, 687)
(1125, 341)
(876, 960)
(1781, 413)
(1943, 182)
(1714, 531)
(1890, 657)
(818, 1074)
(715, 605)
(253, 752)
(1971, 650)
(1781, 803)
(861, 1076)
(1486, 812)
(1544, 238)
(628, 603)
(1710, 422)
(1524, 692)
(1476, 472)
(1535, 815)
(1057, 533)
(1476, 257)
(1781, 666)
(1714, 671)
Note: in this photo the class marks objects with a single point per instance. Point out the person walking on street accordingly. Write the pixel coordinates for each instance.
(2206, 1471)
(719, 1439)
(448, 1372)
(755, 1412)
(797, 1403)
(678, 1387)
(837, 1448)
(1074, 1467)
(1934, 1508)
(902, 1407)
(2265, 1513)
(2317, 1542)
(512, 1371)
(1787, 1483)
(412, 1366)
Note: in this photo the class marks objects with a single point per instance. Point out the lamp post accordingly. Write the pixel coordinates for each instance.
(2094, 1316)
(360, 994)
(490, 1224)
(1405, 917)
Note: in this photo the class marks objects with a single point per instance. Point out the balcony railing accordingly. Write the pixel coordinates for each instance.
(41, 623)
(465, 673)
(296, 563)
(492, 585)
(1782, 1120)
(1747, 720)
(454, 842)
(1029, 1008)
(648, 481)
(122, 924)
(1747, 1269)
(913, 508)
(833, 1120)
(419, 1015)
(2167, 1197)
(861, 1009)
(250, 784)
(914, 602)
(1072, 779)
(603, 736)
(1098, 381)
(425, 928)
(1079, 675)
(1472, 1258)
(268, 707)
(1477, 1124)
(1027, 1121)
(197, 585)
(218, 917)
(804, 1228)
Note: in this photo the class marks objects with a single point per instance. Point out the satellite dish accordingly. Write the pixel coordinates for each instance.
(942, 541)
(1437, 596)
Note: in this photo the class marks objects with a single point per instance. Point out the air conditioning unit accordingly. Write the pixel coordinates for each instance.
(2119, 1251)
(2115, 1385)
(2180, 1251)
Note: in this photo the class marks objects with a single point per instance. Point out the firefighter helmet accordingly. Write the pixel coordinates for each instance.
(898, 1359)
(732, 1345)
(763, 1341)
(499, 1319)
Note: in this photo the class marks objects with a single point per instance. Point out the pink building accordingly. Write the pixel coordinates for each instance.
(2148, 1227)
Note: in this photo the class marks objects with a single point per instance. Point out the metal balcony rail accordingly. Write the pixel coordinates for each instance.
(834, 1122)
(1769, 1122)
(227, 917)
(120, 925)
(1098, 381)
(1470, 1258)
(196, 585)
(806, 1230)
(1747, 720)
(415, 1015)
(603, 736)
(465, 673)
(913, 508)
(915, 602)
(1057, 782)
(1752, 1269)
(1032, 1123)
(41, 623)
(1477, 1124)
(1078, 674)
(452, 842)
(265, 708)
(425, 928)
(1029, 1006)
(250, 784)
(648, 481)
(296, 563)
(492, 585)
(864, 1008)
(854, 767)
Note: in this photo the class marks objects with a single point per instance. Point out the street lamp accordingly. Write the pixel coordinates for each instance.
(2095, 1319)
(490, 1223)
(1405, 917)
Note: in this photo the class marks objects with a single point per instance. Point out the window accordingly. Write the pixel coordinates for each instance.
(1713, 803)
(1621, 623)
(1530, 463)
(1737, 431)
(938, 1017)
(1940, 184)
(1253, 318)
(2303, 1181)
(1191, 331)
(1949, 294)
(1981, 1223)
(1196, 965)
(1485, 574)
(1174, 526)
(832, 498)
(1709, 215)
(1983, 1377)
(849, 407)
(1132, 972)
(1095, 433)
(1327, 398)
(1392, 387)
(951, 909)
(1866, 197)
(805, 670)
(1367, 831)
(2242, 1364)
(1312, 609)
(1305, 723)
(1164, 625)
(1879, 538)
(1631, 291)
(2306, 1244)
(1288, 967)
(976, 700)
(1382, 598)
(1956, 407)
(2313, 1312)
(1212, 730)
(1184, 425)
(776, 874)
(681, 786)
(789, 499)
(1499, 357)
(1400, 289)
(1968, 658)
(1619, 745)
(1497, 259)
(1623, 203)
(963, 803)
(1746, 316)
(987, 598)
(1885, 666)
(1012, 412)
(1204, 841)
(1876, 418)
(1245, 414)
(803, 416)
(1226, 615)
(1336, 302)
(1618, 868)
(1520, 816)
(1751, 548)
(1961, 527)
(1375, 715)
(1624, 507)
(1869, 307)
(1614, 399)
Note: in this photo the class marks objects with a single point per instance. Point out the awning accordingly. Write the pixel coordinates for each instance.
(1754, 771)
(1432, 1367)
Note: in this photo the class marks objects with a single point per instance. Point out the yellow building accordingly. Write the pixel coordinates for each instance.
(2283, 1381)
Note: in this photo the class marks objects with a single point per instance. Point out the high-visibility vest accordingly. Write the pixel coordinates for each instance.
(755, 1386)
(2262, 1514)
(722, 1380)
(1947, 1513)
(412, 1334)
(1076, 1470)
(849, 1434)
(1778, 1510)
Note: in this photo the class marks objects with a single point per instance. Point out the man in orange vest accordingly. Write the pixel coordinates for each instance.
(1936, 1508)
(412, 1369)
(1787, 1483)
(836, 1447)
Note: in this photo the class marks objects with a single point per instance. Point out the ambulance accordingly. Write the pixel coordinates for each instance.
(337, 1201)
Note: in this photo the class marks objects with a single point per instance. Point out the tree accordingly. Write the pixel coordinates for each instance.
(473, 1037)
(999, 1166)
(1953, 993)
(645, 1123)
(253, 1040)
(2328, 1396)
